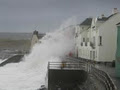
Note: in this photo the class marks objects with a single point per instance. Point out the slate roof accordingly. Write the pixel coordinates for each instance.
(118, 23)
(102, 19)
(87, 21)
(106, 18)
(112, 15)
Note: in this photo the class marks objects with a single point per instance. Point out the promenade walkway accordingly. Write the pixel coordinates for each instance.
(107, 68)
(111, 71)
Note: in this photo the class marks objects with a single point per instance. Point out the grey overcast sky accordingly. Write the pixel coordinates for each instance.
(47, 15)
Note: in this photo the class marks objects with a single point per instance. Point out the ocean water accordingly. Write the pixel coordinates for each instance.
(4, 54)
(15, 36)
(30, 73)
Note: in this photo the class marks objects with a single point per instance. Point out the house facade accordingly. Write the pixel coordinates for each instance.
(96, 38)
(35, 38)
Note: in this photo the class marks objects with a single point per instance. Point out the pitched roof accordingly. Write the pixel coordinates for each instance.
(102, 19)
(87, 21)
(106, 18)
(112, 15)
(118, 23)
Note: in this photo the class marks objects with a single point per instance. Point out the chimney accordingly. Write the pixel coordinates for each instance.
(102, 16)
(115, 10)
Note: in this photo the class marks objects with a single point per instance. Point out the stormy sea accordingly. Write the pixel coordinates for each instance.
(30, 72)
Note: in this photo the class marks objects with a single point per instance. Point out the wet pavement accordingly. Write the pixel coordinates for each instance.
(108, 69)
(96, 84)
(111, 71)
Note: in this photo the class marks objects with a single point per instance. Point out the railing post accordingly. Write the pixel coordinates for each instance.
(88, 67)
(48, 65)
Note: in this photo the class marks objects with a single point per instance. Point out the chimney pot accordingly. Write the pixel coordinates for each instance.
(115, 10)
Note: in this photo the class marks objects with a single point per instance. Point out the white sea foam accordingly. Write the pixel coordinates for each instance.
(30, 74)
(1, 60)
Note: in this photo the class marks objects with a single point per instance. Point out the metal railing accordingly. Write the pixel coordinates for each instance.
(104, 78)
(99, 74)
(67, 65)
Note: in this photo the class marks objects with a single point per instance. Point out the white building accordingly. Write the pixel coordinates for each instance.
(35, 38)
(96, 38)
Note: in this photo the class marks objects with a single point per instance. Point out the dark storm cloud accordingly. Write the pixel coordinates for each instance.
(25, 15)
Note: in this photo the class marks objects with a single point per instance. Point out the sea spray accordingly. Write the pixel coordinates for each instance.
(30, 73)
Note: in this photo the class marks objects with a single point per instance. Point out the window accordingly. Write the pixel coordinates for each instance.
(93, 55)
(94, 40)
(76, 35)
(83, 39)
(100, 40)
(96, 54)
(81, 43)
(85, 43)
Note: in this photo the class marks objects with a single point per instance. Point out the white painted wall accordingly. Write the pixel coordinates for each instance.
(77, 32)
(107, 29)
(109, 38)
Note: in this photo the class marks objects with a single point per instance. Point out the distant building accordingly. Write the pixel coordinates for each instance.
(96, 38)
(35, 38)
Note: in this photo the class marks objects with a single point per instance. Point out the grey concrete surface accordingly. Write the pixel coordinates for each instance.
(111, 71)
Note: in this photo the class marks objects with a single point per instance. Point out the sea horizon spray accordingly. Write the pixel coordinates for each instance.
(30, 73)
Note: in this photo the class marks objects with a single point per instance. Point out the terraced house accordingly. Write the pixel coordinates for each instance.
(96, 38)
